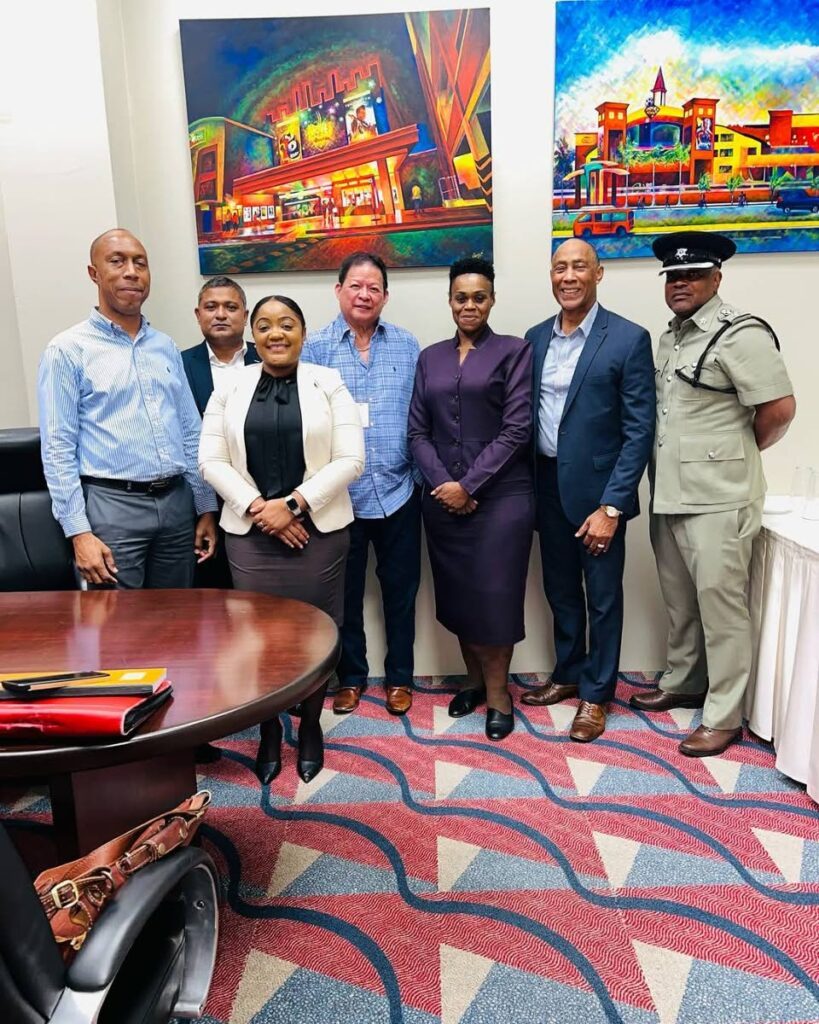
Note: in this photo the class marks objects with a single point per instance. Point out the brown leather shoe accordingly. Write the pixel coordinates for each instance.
(399, 700)
(660, 700)
(346, 699)
(705, 742)
(589, 722)
(550, 693)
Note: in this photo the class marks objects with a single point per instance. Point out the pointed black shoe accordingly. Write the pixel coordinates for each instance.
(310, 759)
(499, 724)
(465, 701)
(308, 770)
(266, 771)
(269, 756)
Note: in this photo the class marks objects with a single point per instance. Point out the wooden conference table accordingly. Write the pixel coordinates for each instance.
(234, 658)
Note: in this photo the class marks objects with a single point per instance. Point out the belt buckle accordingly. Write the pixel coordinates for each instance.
(157, 485)
(62, 902)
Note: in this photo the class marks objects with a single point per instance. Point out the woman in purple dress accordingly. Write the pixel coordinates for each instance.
(470, 424)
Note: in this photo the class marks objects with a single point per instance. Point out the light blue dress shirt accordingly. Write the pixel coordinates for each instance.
(116, 408)
(384, 385)
(559, 365)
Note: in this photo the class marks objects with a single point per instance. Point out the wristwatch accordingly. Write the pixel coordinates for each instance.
(293, 505)
(611, 511)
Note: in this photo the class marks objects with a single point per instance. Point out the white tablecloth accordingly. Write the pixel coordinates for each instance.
(782, 703)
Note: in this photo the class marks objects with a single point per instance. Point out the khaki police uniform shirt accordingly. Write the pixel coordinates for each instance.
(705, 455)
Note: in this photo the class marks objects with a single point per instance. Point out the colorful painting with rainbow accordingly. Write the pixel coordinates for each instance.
(676, 117)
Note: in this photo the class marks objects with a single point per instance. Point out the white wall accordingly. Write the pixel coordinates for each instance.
(55, 174)
(149, 178)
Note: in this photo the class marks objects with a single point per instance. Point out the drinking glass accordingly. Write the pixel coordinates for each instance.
(810, 510)
(799, 484)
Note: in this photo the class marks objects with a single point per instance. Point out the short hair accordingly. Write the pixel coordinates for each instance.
(285, 301)
(220, 281)
(472, 265)
(357, 259)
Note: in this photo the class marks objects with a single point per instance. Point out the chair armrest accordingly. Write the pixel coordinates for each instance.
(118, 926)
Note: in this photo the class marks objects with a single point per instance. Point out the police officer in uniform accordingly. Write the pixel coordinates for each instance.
(723, 395)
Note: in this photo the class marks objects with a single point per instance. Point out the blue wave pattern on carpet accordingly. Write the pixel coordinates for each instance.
(430, 875)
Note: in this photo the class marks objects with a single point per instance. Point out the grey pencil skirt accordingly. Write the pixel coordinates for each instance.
(314, 573)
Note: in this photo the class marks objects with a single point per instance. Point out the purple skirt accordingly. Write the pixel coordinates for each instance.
(479, 566)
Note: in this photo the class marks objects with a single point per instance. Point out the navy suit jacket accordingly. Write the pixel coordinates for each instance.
(607, 429)
(196, 361)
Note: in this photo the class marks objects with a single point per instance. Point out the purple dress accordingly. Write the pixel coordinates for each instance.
(472, 423)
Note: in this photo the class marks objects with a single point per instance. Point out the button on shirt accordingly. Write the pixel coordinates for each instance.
(117, 408)
(384, 385)
(224, 374)
(559, 365)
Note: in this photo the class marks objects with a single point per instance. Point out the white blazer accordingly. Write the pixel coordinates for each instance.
(333, 447)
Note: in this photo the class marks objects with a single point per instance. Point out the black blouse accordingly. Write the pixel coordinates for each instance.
(273, 436)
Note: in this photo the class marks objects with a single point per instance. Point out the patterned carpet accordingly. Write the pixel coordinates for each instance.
(429, 875)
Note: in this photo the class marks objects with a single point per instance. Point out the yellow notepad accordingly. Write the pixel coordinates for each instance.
(123, 682)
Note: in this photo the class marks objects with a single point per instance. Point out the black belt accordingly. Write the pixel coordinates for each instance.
(546, 458)
(134, 486)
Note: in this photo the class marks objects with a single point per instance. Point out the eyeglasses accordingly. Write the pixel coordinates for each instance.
(687, 275)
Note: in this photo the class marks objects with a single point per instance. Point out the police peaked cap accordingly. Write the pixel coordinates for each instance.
(692, 250)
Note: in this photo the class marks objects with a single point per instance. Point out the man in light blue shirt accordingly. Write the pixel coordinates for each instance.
(120, 435)
(593, 399)
(377, 361)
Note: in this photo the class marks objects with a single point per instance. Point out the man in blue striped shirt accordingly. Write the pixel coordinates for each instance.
(377, 363)
(120, 435)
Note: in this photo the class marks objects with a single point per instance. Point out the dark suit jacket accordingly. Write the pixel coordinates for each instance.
(197, 369)
(607, 429)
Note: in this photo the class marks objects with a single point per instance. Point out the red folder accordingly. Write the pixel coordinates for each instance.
(78, 717)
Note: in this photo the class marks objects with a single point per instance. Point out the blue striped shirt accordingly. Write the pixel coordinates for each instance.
(561, 361)
(115, 408)
(384, 385)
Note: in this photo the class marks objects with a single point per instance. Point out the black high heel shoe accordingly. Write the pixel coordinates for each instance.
(310, 759)
(499, 724)
(269, 756)
(465, 701)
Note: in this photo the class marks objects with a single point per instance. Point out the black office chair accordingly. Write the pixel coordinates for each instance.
(148, 958)
(34, 554)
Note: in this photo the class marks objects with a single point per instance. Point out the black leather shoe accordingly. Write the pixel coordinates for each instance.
(266, 771)
(465, 701)
(310, 759)
(308, 770)
(269, 756)
(499, 724)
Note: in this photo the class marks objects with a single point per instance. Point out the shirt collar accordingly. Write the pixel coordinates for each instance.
(101, 321)
(482, 337)
(342, 327)
(238, 356)
(703, 319)
(584, 328)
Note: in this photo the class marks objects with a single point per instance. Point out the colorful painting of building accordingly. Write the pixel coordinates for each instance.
(311, 138)
(670, 122)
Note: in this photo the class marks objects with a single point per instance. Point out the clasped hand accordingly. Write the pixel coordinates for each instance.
(597, 531)
(274, 517)
(454, 498)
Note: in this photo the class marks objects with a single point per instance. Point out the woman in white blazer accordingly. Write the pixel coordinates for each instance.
(281, 446)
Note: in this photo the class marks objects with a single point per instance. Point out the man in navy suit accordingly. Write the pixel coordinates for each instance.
(222, 315)
(221, 311)
(594, 413)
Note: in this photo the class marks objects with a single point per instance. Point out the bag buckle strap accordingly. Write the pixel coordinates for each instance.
(65, 894)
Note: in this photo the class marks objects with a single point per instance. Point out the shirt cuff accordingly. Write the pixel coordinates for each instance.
(78, 523)
(206, 503)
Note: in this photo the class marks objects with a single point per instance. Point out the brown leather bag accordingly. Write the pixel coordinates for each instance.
(73, 895)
